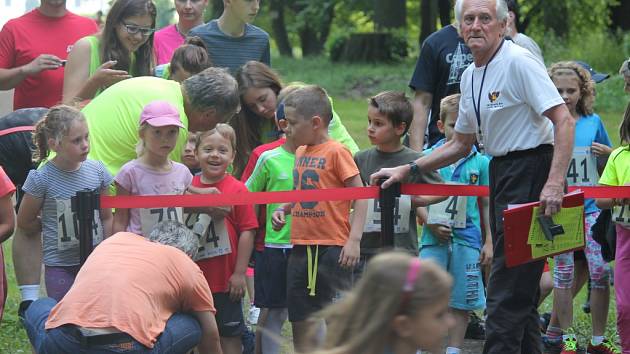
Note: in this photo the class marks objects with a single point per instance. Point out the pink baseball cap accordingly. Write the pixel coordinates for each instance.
(160, 114)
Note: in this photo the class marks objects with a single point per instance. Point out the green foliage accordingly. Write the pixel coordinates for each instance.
(165, 12)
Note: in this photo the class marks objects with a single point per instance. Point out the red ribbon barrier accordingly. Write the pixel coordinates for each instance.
(202, 200)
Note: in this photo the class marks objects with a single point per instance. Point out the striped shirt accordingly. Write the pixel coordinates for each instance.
(56, 187)
(232, 52)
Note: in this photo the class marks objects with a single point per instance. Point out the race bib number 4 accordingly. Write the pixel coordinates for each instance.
(151, 217)
(402, 209)
(582, 168)
(214, 239)
(621, 215)
(68, 227)
(451, 212)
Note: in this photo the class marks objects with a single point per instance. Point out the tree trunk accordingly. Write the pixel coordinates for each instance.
(278, 26)
(390, 14)
(428, 15)
(619, 15)
(313, 36)
(445, 12)
(555, 17)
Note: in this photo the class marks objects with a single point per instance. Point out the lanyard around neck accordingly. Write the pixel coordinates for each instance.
(477, 105)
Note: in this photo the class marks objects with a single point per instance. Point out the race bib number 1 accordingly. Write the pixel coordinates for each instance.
(451, 212)
(151, 217)
(68, 227)
(402, 209)
(214, 239)
(621, 215)
(582, 168)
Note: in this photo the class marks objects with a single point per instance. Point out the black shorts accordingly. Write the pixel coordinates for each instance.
(229, 315)
(331, 281)
(270, 278)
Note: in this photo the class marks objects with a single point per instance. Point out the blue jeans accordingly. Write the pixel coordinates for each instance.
(181, 334)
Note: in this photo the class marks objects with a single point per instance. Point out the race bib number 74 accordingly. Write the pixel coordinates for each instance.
(451, 212)
(214, 239)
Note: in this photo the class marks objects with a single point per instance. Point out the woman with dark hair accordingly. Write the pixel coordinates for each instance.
(259, 88)
(123, 49)
(188, 59)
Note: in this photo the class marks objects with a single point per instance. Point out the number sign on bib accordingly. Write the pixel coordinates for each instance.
(68, 227)
(621, 215)
(451, 212)
(214, 239)
(151, 217)
(582, 168)
(402, 209)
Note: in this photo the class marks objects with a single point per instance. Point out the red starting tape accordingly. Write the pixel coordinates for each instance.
(200, 200)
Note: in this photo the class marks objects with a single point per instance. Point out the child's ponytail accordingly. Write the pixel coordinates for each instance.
(55, 125)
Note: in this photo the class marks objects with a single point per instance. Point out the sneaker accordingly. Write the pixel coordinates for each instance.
(252, 315)
(569, 346)
(475, 329)
(604, 347)
(551, 347)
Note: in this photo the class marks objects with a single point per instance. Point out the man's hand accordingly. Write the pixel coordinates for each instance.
(236, 286)
(42, 62)
(350, 252)
(442, 232)
(278, 219)
(551, 198)
(393, 175)
(486, 254)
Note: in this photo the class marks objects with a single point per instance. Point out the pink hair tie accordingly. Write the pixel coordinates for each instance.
(410, 281)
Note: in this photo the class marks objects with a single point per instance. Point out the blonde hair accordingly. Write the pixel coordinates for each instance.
(585, 82)
(360, 322)
(140, 144)
(225, 130)
(55, 125)
(448, 105)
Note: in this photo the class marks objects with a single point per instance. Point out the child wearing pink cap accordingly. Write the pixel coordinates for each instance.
(153, 172)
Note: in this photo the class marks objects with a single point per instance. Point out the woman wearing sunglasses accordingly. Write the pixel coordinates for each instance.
(124, 48)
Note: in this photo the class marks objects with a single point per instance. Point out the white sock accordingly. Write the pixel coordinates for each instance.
(597, 340)
(453, 350)
(29, 292)
(271, 332)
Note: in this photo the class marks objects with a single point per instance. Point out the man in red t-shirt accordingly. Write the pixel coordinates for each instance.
(33, 51)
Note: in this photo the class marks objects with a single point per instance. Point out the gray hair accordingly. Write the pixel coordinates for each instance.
(501, 9)
(175, 234)
(213, 88)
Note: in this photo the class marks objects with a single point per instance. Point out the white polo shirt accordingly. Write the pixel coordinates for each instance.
(516, 92)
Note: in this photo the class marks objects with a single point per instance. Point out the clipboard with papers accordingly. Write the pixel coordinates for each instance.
(525, 240)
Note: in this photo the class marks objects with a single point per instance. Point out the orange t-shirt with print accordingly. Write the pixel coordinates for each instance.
(322, 166)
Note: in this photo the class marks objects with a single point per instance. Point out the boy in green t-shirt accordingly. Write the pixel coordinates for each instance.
(389, 116)
(273, 172)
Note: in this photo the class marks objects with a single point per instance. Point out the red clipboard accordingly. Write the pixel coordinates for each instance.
(516, 223)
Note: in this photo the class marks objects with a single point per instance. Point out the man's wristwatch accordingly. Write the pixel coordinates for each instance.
(413, 168)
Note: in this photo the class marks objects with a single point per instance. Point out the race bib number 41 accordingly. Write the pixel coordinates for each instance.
(451, 212)
(151, 217)
(68, 227)
(214, 239)
(402, 209)
(582, 168)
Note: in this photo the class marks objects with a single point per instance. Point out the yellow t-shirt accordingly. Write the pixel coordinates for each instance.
(617, 171)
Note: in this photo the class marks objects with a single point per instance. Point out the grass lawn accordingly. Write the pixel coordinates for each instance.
(350, 86)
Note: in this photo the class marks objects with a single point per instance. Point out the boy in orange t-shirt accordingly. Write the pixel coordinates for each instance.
(326, 248)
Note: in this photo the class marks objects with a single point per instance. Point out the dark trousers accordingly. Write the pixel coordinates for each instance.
(513, 293)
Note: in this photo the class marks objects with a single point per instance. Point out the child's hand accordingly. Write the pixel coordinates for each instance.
(601, 149)
(199, 190)
(277, 219)
(486, 255)
(442, 232)
(236, 286)
(350, 252)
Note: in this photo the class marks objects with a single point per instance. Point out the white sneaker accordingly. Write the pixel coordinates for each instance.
(252, 315)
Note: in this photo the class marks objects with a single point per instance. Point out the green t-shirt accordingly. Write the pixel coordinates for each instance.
(617, 171)
(113, 119)
(274, 172)
(95, 58)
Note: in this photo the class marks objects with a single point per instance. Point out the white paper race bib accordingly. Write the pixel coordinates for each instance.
(151, 217)
(68, 227)
(402, 209)
(214, 239)
(451, 212)
(621, 215)
(582, 168)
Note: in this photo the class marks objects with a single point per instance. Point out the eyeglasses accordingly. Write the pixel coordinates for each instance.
(133, 29)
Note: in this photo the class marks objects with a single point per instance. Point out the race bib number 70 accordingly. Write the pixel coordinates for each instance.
(151, 217)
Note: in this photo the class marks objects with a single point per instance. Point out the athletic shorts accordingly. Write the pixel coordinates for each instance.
(330, 280)
(270, 278)
(462, 263)
(229, 315)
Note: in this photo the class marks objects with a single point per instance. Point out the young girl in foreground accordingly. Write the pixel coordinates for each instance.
(617, 173)
(48, 191)
(399, 306)
(153, 172)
